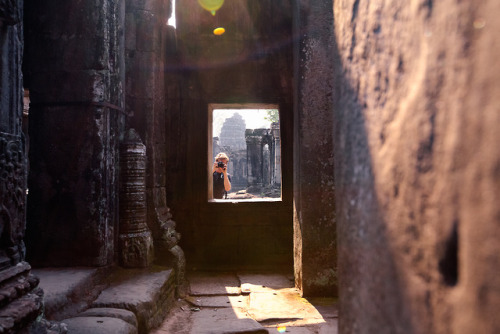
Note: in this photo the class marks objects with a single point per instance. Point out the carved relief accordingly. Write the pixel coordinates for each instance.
(137, 249)
(12, 199)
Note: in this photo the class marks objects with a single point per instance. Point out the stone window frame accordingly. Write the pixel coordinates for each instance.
(211, 108)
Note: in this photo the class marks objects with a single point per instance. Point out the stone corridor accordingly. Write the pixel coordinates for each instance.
(388, 142)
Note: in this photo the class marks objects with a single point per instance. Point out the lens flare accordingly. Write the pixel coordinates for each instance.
(281, 329)
(211, 5)
(219, 31)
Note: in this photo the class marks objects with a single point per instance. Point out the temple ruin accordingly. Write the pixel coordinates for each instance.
(386, 156)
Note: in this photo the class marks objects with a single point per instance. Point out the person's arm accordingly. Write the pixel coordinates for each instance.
(227, 183)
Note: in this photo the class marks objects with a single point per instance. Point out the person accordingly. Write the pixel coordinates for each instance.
(222, 180)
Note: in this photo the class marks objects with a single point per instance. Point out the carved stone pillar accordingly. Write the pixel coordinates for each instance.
(254, 158)
(21, 301)
(136, 242)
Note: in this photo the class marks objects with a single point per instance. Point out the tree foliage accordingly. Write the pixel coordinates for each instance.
(273, 115)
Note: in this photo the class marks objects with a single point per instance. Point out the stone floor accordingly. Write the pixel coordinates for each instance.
(248, 303)
(136, 301)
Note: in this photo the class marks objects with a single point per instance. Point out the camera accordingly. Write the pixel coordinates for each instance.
(220, 164)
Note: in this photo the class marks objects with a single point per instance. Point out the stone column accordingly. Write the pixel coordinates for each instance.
(314, 197)
(74, 69)
(136, 242)
(266, 165)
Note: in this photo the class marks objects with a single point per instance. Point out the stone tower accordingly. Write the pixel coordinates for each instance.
(233, 133)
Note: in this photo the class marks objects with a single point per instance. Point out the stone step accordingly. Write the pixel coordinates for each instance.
(67, 291)
(148, 293)
(121, 298)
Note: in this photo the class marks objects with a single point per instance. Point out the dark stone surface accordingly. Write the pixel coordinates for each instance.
(10, 12)
(73, 192)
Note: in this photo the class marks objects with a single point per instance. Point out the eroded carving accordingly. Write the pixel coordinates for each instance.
(12, 200)
(136, 242)
(137, 249)
(169, 239)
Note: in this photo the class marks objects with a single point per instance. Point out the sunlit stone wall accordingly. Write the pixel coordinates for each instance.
(417, 166)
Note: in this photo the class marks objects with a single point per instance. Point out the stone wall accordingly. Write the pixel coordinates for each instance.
(417, 166)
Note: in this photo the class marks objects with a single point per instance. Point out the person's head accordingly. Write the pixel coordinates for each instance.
(222, 157)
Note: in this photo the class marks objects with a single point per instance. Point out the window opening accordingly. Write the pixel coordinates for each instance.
(249, 134)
